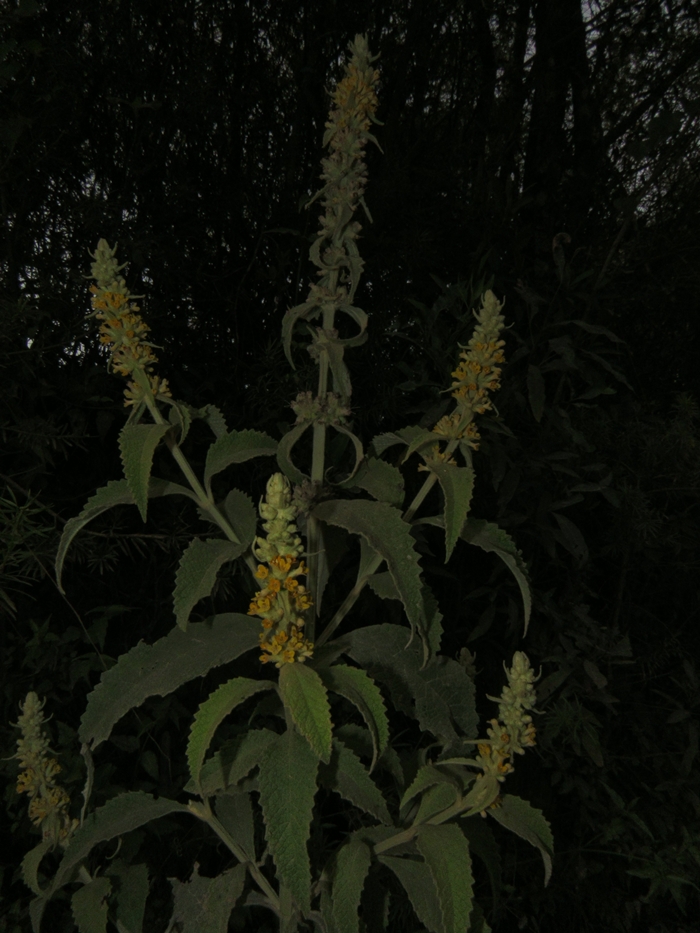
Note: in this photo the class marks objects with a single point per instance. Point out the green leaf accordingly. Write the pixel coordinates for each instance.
(522, 818)
(232, 762)
(446, 853)
(204, 905)
(571, 538)
(349, 873)
(354, 684)
(137, 444)
(284, 454)
(306, 698)
(212, 713)
(242, 516)
(118, 816)
(158, 669)
(306, 310)
(196, 573)
(427, 776)
(381, 480)
(389, 535)
(214, 418)
(31, 863)
(440, 694)
(490, 537)
(131, 894)
(483, 844)
(287, 783)
(457, 484)
(417, 881)
(89, 905)
(235, 813)
(348, 776)
(535, 391)
(180, 414)
(436, 799)
(116, 492)
(383, 585)
(236, 447)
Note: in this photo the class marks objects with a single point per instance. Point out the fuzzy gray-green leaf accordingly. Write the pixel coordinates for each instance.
(348, 776)
(196, 573)
(89, 905)
(417, 881)
(446, 853)
(236, 447)
(457, 484)
(350, 870)
(306, 698)
(137, 444)
(204, 905)
(529, 823)
(355, 685)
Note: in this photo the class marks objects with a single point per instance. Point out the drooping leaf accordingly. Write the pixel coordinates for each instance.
(519, 816)
(131, 893)
(241, 514)
(389, 535)
(457, 484)
(306, 698)
(381, 480)
(483, 844)
(490, 537)
(180, 414)
(235, 813)
(417, 881)
(214, 418)
(287, 784)
(444, 693)
(427, 776)
(360, 741)
(446, 853)
(137, 444)
(436, 799)
(196, 573)
(355, 685)
(116, 492)
(158, 669)
(30, 865)
(535, 391)
(349, 873)
(383, 585)
(118, 816)
(89, 905)
(284, 453)
(348, 776)
(236, 447)
(204, 905)
(211, 714)
(232, 762)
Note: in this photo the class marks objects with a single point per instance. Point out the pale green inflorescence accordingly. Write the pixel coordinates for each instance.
(122, 329)
(282, 601)
(48, 803)
(514, 730)
(477, 374)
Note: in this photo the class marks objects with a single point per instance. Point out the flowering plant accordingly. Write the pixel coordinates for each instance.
(410, 816)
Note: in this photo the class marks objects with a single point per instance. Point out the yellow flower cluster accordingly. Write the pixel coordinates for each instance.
(48, 803)
(283, 598)
(514, 730)
(122, 328)
(477, 374)
(355, 98)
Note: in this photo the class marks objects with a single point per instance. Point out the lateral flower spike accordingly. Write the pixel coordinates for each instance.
(283, 599)
(48, 803)
(122, 329)
(477, 374)
(514, 730)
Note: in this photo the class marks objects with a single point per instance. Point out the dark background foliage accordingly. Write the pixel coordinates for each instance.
(544, 148)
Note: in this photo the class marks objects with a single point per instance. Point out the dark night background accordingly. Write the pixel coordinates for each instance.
(548, 149)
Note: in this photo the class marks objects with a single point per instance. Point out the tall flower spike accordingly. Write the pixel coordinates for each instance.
(48, 803)
(477, 374)
(122, 329)
(283, 599)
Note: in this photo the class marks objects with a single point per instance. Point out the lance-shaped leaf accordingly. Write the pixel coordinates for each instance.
(132, 891)
(116, 492)
(287, 782)
(483, 844)
(307, 310)
(137, 444)
(490, 537)
(390, 536)
(214, 417)
(350, 870)
(306, 698)
(236, 447)
(204, 905)
(446, 853)
(381, 480)
(196, 573)
(118, 816)
(31, 862)
(212, 713)
(427, 776)
(354, 684)
(284, 453)
(241, 514)
(235, 813)
(522, 818)
(383, 442)
(348, 776)
(457, 484)
(232, 762)
(417, 881)
(158, 669)
(89, 905)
